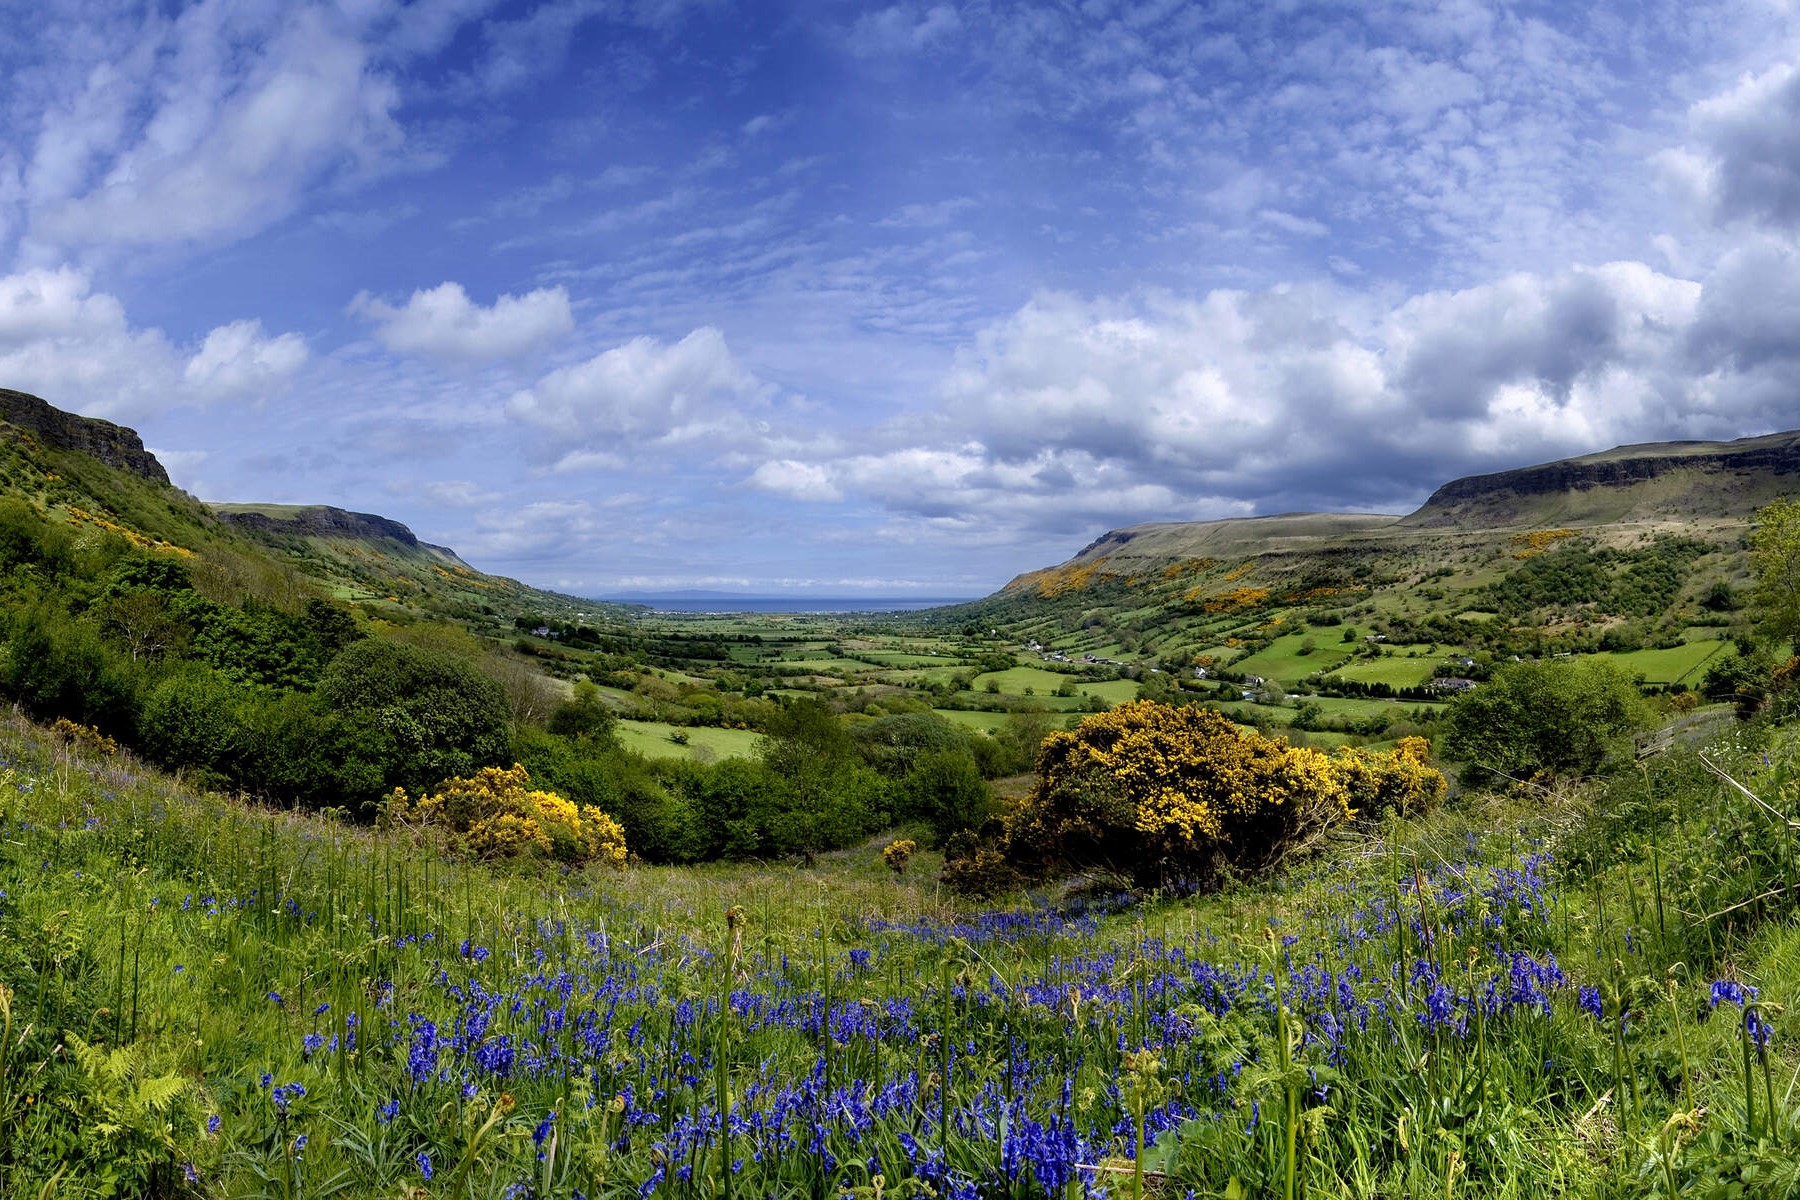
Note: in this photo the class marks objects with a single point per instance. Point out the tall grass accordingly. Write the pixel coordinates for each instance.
(1526, 995)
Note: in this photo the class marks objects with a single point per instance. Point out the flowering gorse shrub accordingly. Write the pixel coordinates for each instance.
(1181, 795)
(498, 816)
(896, 854)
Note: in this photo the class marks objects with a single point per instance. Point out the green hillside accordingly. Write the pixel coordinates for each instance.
(1635, 549)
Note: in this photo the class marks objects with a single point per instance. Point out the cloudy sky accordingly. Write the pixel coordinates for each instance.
(852, 297)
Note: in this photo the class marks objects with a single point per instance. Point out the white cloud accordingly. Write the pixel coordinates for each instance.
(802, 481)
(643, 390)
(237, 361)
(1076, 413)
(210, 127)
(903, 29)
(76, 348)
(442, 322)
(1748, 161)
(453, 493)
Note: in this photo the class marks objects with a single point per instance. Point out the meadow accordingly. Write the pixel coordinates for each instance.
(1576, 992)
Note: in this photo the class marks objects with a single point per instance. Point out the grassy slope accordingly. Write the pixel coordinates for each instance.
(218, 942)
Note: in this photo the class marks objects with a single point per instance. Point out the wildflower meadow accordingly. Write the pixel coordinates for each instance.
(1530, 993)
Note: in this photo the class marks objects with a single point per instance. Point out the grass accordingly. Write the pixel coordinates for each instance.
(1282, 659)
(287, 1007)
(1014, 681)
(655, 739)
(1685, 663)
(1392, 669)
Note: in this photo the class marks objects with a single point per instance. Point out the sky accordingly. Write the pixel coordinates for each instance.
(847, 298)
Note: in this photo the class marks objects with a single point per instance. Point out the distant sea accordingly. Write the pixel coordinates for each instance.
(789, 604)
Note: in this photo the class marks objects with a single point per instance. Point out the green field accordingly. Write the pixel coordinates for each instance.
(986, 722)
(651, 739)
(1113, 691)
(1392, 669)
(1685, 663)
(1014, 681)
(1282, 659)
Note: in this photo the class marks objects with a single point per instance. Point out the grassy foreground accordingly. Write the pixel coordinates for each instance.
(1573, 994)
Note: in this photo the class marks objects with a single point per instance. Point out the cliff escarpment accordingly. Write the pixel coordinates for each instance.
(114, 445)
(317, 520)
(1719, 480)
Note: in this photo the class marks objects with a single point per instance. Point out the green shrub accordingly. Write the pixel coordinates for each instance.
(1556, 716)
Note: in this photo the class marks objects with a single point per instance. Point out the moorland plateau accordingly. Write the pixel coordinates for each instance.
(331, 865)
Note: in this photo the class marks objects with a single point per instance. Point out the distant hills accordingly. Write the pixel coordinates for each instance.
(1637, 545)
(93, 473)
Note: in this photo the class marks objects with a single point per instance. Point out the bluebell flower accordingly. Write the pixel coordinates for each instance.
(1729, 989)
(424, 1161)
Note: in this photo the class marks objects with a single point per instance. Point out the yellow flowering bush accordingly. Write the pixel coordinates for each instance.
(84, 736)
(1163, 795)
(497, 814)
(896, 854)
(1401, 781)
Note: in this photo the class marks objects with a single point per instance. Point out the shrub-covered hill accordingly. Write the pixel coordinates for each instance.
(1632, 548)
(97, 478)
(321, 658)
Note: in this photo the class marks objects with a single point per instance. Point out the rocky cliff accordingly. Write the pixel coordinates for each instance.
(319, 520)
(111, 444)
(1723, 479)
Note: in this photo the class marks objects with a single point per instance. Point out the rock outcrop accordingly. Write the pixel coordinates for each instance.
(114, 445)
(321, 520)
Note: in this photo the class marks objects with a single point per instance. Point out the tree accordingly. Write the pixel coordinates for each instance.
(414, 716)
(585, 715)
(1562, 716)
(1775, 558)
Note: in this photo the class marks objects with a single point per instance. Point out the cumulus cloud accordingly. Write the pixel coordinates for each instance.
(442, 322)
(1080, 412)
(209, 127)
(1747, 163)
(76, 348)
(237, 361)
(641, 391)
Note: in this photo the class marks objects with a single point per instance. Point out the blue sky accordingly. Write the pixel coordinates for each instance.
(635, 295)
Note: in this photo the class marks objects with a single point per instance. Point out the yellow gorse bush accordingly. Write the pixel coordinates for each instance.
(498, 815)
(1181, 791)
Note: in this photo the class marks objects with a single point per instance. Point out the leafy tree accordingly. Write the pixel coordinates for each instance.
(1561, 716)
(946, 791)
(832, 799)
(412, 717)
(585, 715)
(1775, 557)
(895, 744)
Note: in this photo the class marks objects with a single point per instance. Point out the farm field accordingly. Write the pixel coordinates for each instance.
(1395, 670)
(1685, 663)
(1283, 659)
(654, 739)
